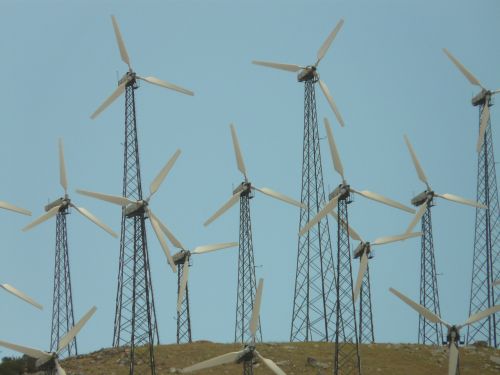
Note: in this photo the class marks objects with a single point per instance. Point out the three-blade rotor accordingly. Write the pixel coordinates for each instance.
(313, 69)
(130, 77)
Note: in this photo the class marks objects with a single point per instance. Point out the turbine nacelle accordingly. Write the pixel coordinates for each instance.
(453, 335)
(245, 188)
(363, 248)
(422, 198)
(136, 208)
(307, 74)
(482, 98)
(181, 257)
(342, 192)
(63, 202)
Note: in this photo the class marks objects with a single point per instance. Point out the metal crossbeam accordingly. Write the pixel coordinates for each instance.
(183, 316)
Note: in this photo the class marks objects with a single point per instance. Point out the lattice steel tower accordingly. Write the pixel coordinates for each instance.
(246, 265)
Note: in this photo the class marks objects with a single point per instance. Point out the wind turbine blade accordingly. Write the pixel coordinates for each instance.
(118, 91)
(68, 337)
(326, 44)
(457, 199)
(363, 266)
(115, 199)
(237, 152)
(485, 118)
(254, 321)
(121, 44)
(11, 207)
(281, 197)
(320, 215)
(453, 359)
(330, 100)
(93, 219)
(220, 360)
(230, 203)
(183, 286)
(33, 353)
(337, 164)
(167, 232)
(59, 369)
(287, 67)
(417, 217)
(402, 237)
(52, 212)
(416, 163)
(163, 243)
(270, 364)
(352, 233)
(462, 68)
(430, 316)
(481, 315)
(62, 167)
(21, 295)
(214, 247)
(380, 198)
(163, 173)
(167, 85)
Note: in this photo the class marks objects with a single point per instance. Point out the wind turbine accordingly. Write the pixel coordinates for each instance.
(486, 258)
(181, 260)
(429, 333)
(453, 335)
(50, 360)
(245, 356)
(246, 265)
(62, 302)
(346, 355)
(21, 295)
(315, 276)
(134, 295)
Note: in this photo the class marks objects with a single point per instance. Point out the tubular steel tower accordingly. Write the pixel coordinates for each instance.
(314, 299)
(486, 259)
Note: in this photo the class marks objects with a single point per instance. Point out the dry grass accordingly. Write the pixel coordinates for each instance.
(386, 359)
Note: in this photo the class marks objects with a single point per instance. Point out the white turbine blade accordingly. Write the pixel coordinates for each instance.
(21, 295)
(363, 266)
(33, 353)
(337, 164)
(115, 199)
(52, 212)
(118, 91)
(163, 173)
(453, 359)
(462, 68)
(214, 247)
(163, 243)
(380, 198)
(237, 151)
(183, 286)
(230, 203)
(62, 167)
(121, 44)
(416, 163)
(11, 207)
(270, 364)
(68, 337)
(485, 118)
(281, 197)
(220, 360)
(59, 369)
(457, 199)
(167, 85)
(417, 217)
(254, 321)
(402, 237)
(430, 316)
(320, 215)
(481, 315)
(326, 44)
(287, 67)
(330, 100)
(167, 232)
(352, 233)
(93, 219)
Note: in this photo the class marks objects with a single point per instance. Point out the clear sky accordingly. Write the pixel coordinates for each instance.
(386, 71)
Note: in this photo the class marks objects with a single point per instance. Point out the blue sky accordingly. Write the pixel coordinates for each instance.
(385, 70)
